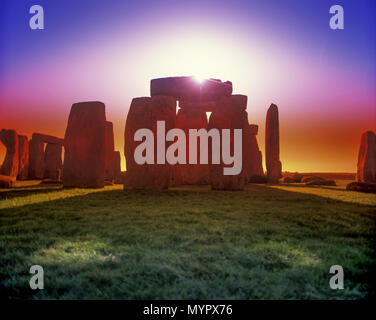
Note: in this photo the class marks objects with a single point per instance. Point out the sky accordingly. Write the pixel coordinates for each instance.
(281, 52)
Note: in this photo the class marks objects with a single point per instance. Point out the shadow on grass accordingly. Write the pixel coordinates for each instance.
(261, 243)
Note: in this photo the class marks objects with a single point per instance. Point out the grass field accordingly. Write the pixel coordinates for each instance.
(266, 242)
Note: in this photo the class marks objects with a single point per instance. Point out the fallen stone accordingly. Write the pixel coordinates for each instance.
(321, 183)
(7, 181)
(362, 187)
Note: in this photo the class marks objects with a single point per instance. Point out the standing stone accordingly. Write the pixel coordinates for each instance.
(10, 165)
(192, 173)
(366, 171)
(85, 146)
(273, 165)
(252, 157)
(109, 175)
(117, 167)
(36, 157)
(143, 114)
(53, 164)
(229, 114)
(23, 158)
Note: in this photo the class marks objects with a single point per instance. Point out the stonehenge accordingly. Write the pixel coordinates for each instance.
(366, 168)
(273, 165)
(195, 99)
(10, 165)
(85, 146)
(225, 153)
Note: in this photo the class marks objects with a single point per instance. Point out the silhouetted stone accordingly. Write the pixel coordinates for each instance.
(191, 173)
(117, 167)
(144, 114)
(53, 164)
(252, 157)
(23, 158)
(110, 149)
(189, 89)
(205, 106)
(85, 146)
(10, 165)
(7, 181)
(273, 165)
(362, 187)
(229, 114)
(366, 169)
(36, 157)
(48, 139)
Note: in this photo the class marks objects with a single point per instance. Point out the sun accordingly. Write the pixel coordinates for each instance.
(199, 78)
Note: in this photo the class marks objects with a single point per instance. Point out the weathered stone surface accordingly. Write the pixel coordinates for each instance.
(10, 165)
(110, 149)
(144, 113)
(191, 173)
(366, 168)
(36, 157)
(252, 157)
(48, 139)
(362, 187)
(307, 179)
(53, 164)
(189, 89)
(85, 146)
(228, 115)
(23, 158)
(289, 180)
(323, 182)
(273, 165)
(7, 181)
(117, 167)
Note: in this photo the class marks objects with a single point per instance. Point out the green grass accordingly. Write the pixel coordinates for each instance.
(267, 242)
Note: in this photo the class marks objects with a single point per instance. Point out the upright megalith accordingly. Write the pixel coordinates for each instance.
(117, 167)
(366, 169)
(229, 114)
(10, 165)
(109, 175)
(53, 164)
(85, 146)
(252, 156)
(189, 89)
(23, 158)
(188, 119)
(144, 113)
(273, 165)
(36, 157)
